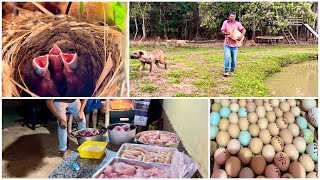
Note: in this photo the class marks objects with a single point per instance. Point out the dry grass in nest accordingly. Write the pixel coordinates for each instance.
(101, 63)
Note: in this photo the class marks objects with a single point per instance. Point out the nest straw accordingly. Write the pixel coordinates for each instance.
(31, 34)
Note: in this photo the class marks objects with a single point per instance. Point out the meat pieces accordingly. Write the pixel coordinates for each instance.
(122, 128)
(157, 138)
(139, 153)
(88, 133)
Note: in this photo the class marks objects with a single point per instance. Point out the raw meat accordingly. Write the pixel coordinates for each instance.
(122, 128)
(139, 153)
(88, 133)
(157, 138)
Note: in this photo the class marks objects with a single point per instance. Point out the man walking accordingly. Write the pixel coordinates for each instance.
(230, 45)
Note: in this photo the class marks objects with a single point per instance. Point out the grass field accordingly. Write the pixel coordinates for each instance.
(197, 71)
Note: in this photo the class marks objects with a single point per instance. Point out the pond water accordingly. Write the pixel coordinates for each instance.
(295, 80)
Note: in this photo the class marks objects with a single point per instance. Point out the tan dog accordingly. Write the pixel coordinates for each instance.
(146, 57)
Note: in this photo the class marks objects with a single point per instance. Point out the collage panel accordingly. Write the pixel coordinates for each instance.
(218, 49)
(264, 138)
(105, 138)
(64, 49)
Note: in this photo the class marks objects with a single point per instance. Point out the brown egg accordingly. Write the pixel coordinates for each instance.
(256, 145)
(260, 177)
(253, 117)
(243, 124)
(272, 171)
(292, 102)
(282, 123)
(254, 130)
(268, 106)
(220, 156)
(278, 112)
(289, 117)
(277, 143)
(245, 155)
(285, 106)
(297, 170)
(265, 136)
(242, 102)
(234, 100)
(225, 102)
(246, 172)
(294, 129)
(287, 175)
(233, 118)
(271, 116)
(273, 129)
(258, 164)
(307, 162)
(282, 161)
(223, 138)
(219, 173)
(213, 147)
(234, 130)
(233, 166)
(224, 124)
(286, 136)
(251, 106)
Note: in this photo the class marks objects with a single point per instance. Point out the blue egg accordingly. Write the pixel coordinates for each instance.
(244, 138)
(214, 119)
(213, 132)
(307, 135)
(224, 112)
(242, 112)
(312, 150)
(301, 122)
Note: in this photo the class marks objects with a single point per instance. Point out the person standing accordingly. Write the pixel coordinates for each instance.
(230, 45)
(92, 107)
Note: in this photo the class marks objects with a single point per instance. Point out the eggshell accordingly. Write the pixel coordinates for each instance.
(234, 130)
(242, 103)
(272, 171)
(233, 146)
(287, 175)
(261, 111)
(307, 162)
(312, 150)
(233, 118)
(313, 116)
(295, 110)
(292, 102)
(216, 107)
(286, 136)
(292, 151)
(282, 161)
(273, 129)
(213, 148)
(213, 132)
(217, 101)
(265, 136)
(307, 104)
(223, 138)
(234, 107)
(214, 118)
(285, 106)
(256, 145)
(221, 155)
(277, 143)
(246, 173)
(312, 175)
(253, 117)
(260, 177)
(244, 138)
(224, 124)
(301, 122)
(297, 170)
(307, 135)
(258, 164)
(258, 102)
(234, 101)
(254, 130)
(267, 105)
(268, 152)
(271, 116)
(233, 166)
(278, 112)
(245, 155)
(219, 173)
(263, 123)
(224, 112)
(243, 124)
(242, 112)
(251, 106)
(282, 123)
(300, 144)
(289, 117)
(275, 102)
(225, 102)
(294, 129)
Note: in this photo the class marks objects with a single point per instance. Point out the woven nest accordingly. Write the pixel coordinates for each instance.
(99, 48)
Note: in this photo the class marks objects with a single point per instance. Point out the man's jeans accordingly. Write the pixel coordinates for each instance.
(230, 52)
(74, 109)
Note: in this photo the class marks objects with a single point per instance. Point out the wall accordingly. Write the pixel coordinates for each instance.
(189, 118)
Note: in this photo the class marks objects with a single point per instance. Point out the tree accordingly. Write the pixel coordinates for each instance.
(134, 12)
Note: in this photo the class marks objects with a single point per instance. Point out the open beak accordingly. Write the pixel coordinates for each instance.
(40, 66)
(69, 61)
(55, 57)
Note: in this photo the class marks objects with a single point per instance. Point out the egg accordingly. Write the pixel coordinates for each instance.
(297, 170)
(275, 102)
(233, 118)
(287, 175)
(261, 111)
(256, 145)
(216, 107)
(267, 105)
(254, 130)
(246, 173)
(292, 102)
(271, 116)
(234, 101)
(213, 148)
(277, 143)
(217, 101)
(213, 132)
(316, 168)
(234, 130)
(295, 110)
(224, 124)
(243, 124)
(233, 166)
(258, 102)
(282, 161)
(289, 117)
(272, 171)
(263, 123)
(273, 129)
(221, 155)
(258, 164)
(313, 116)
(301, 122)
(245, 155)
(300, 144)
(312, 175)
(307, 104)
(294, 129)
(260, 177)
(224, 112)
(223, 138)
(292, 151)
(242, 103)
(286, 136)
(281, 123)
(265, 136)
(268, 152)
(307, 135)
(225, 102)
(284, 106)
(244, 138)
(251, 106)
(312, 150)
(233, 146)
(252, 117)
(234, 107)
(214, 118)
(242, 112)
(278, 112)
(307, 162)
(219, 173)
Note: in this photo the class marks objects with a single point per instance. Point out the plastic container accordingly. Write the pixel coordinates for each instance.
(92, 154)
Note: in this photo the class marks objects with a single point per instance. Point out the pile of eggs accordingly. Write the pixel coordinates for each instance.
(264, 138)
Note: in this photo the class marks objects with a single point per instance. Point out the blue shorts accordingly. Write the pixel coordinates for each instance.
(92, 104)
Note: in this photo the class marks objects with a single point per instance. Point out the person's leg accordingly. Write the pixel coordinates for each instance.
(74, 108)
(227, 54)
(62, 133)
(70, 118)
(234, 51)
(94, 118)
(87, 119)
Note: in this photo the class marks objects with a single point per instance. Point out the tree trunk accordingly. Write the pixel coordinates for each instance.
(136, 24)
(254, 31)
(185, 31)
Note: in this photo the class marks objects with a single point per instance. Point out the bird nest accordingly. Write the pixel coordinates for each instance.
(100, 64)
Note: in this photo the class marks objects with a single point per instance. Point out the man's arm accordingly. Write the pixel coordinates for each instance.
(54, 111)
(223, 29)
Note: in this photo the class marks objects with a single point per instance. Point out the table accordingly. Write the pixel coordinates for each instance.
(272, 39)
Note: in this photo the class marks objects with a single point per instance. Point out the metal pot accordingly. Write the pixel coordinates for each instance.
(90, 138)
(120, 137)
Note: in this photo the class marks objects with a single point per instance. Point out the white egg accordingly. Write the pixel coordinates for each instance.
(263, 123)
(234, 107)
(265, 136)
(282, 123)
(307, 104)
(295, 111)
(307, 162)
(286, 136)
(267, 105)
(292, 102)
(294, 129)
(243, 124)
(292, 151)
(233, 146)
(300, 144)
(274, 129)
(261, 111)
(284, 106)
(275, 102)
(278, 112)
(233, 118)
(268, 152)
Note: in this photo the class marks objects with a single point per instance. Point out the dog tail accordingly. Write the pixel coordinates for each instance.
(167, 46)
